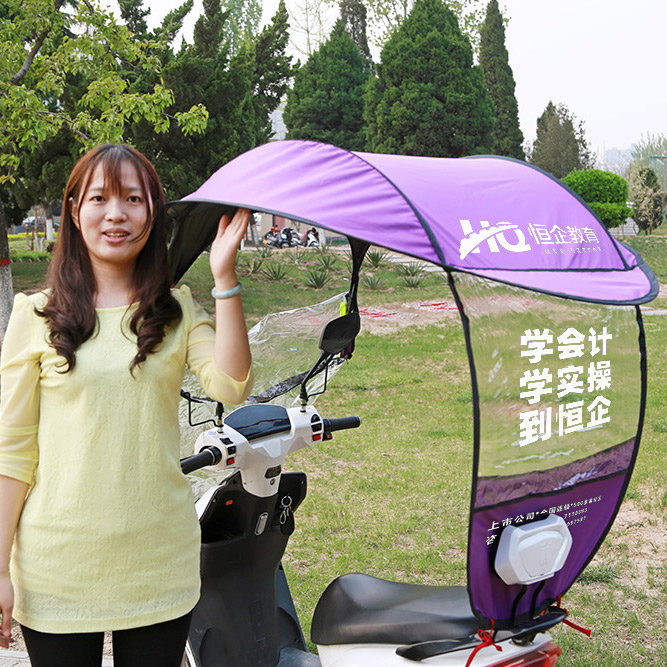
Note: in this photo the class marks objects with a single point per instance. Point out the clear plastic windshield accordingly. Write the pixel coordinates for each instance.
(284, 347)
(558, 380)
(558, 401)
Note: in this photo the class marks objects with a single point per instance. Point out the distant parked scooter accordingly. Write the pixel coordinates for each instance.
(311, 238)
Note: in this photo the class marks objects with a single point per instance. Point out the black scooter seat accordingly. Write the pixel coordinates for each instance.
(359, 609)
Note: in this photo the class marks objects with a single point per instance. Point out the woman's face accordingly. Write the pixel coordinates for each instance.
(112, 221)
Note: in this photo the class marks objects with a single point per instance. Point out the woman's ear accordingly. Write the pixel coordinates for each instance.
(74, 209)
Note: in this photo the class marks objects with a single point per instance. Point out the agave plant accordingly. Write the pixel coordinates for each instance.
(410, 269)
(377, 258)
(274, 271)
(326, 261)
(264, 252)
(373, 282)
(255, 265)
(413, 281)
(317, 279)
(298, 254)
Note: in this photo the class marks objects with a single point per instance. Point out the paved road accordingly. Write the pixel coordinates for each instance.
(20, 659)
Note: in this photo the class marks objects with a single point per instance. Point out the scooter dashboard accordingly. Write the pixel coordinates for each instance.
(259, 421)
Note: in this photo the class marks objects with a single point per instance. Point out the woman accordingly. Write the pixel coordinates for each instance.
(107, 538)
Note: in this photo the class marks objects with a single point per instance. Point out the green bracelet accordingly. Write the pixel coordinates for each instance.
(230, 292)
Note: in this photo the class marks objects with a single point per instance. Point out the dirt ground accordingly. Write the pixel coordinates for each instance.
(392, 317)
(642, 537)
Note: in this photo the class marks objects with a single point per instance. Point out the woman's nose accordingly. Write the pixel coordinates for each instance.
(115, 209)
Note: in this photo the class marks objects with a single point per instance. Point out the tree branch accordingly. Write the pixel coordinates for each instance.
(18, 77)
(67, 120)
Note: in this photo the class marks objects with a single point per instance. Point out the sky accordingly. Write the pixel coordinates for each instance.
(603, 59)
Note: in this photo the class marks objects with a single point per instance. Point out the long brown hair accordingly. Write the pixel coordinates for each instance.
(70, 306)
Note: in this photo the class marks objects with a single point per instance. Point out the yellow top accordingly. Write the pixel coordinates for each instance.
(108, 538)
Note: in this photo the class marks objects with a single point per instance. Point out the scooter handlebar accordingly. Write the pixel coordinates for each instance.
(207, 456)
(341, 423)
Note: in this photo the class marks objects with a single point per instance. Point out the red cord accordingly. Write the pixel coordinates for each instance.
(584, 631)
(487, 640)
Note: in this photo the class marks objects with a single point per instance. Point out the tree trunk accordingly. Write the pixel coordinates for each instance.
(6, 287)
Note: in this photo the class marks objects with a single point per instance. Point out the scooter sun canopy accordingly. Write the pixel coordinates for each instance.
(549, 302)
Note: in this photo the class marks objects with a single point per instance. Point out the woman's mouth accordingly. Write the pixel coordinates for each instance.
(115, 236)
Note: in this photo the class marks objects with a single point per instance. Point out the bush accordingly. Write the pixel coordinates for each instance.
(612, 215)
(595, 185)
(410, 269)
(604, 192)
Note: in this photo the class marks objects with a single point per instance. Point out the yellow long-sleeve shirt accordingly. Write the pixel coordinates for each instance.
(108, 538)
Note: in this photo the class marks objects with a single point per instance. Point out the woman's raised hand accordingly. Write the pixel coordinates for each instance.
(225, 245)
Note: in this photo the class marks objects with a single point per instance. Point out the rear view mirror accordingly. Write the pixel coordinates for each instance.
(340, 333)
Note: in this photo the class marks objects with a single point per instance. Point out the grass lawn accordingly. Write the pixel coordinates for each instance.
(391, 498)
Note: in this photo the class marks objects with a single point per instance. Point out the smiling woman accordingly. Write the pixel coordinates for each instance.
(91, 371)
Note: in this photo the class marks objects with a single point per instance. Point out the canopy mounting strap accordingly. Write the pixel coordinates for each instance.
(487, 640)
(579, 628)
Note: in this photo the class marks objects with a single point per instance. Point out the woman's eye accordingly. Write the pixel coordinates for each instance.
(134, 199)
(97, 198)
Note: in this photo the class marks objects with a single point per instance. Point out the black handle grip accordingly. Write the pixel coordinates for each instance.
(208, 456)
(331, 425)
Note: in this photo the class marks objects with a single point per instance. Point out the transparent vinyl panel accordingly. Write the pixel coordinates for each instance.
(558, 381)
(284, 347)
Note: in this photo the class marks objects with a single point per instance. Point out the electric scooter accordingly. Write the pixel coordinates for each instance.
(246, 616)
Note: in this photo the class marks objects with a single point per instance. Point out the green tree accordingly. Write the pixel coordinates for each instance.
(605, 192)
(560, 144)
(651, 151)
(240, 92)
(44, 49)
(387, 15)
(241, 21)
(326, 101)
(499, 79)
(353, 14)
(648, 200)
(427, 97)
(272, 71)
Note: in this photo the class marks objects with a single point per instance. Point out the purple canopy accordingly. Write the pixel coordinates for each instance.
(495, 217)
(558, 388)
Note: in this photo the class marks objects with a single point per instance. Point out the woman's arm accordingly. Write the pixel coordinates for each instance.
(232, 351)
(12, 496)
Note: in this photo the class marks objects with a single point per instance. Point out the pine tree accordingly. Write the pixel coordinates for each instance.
(499, 81)
(272, 70)
(353, 15)
(326, 101)
(560, 145)
(239, 92)
(427, 97)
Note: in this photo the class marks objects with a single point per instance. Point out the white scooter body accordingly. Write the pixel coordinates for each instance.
(382, 655)
(259, 460)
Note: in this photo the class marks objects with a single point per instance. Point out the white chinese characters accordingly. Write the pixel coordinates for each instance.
(576, 384)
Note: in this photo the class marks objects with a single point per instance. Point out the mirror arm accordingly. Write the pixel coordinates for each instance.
(324, 357)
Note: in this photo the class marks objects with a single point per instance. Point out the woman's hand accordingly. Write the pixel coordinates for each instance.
(6, 608)
(224, 248)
